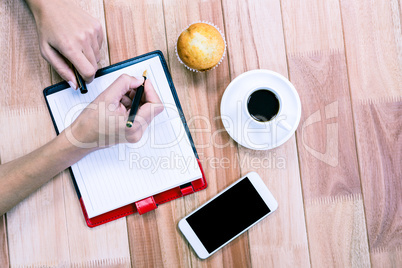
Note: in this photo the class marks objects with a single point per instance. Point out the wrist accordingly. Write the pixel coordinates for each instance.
(70, 146)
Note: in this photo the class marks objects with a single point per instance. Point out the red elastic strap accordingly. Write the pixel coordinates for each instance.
(187, 190)
(145, 205)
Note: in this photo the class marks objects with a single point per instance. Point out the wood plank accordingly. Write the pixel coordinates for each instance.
(4, 259)
(335, 235)
(134, 28)
(102, 246)
(212, 142)
(325, 138)
(94, 247)
(378, 132)
(281, 239)
(33, 226)
(4, 40)
(373, 41)
(37, 232)
(327, 148)
(312, 27)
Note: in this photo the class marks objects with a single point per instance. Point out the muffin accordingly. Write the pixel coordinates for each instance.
(200, 47)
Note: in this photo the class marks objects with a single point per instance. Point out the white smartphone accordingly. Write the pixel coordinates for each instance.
(229, 214)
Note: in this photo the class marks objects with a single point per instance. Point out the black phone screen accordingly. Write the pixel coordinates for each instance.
(228, 215)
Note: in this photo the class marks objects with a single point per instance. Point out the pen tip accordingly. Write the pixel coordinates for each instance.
(144, 73)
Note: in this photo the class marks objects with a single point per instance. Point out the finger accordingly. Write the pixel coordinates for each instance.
(99, 33)
(121, 86)
(142, 120)
(148, 111)
(90, 55)
(82, 64)
(99, 38)
(95, 44)
(132, 93)
(126, 101)
(96, 50)
(59, 64)
(150, 94)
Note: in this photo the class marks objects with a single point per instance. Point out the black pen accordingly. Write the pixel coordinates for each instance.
(136, 102)
(81, 83)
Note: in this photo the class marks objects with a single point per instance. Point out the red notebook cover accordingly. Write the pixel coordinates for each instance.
(151, 202)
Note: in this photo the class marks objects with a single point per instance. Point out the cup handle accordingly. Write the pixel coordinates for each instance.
(283, 124)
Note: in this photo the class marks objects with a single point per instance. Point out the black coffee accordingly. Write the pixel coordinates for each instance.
(263, 105)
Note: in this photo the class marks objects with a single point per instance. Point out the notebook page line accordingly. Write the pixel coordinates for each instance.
(127, 186)
(92, 166)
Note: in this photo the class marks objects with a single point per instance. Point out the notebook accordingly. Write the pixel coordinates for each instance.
(125, 178)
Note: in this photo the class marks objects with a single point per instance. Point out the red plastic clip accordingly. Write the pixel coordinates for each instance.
(187, 190)
(145, 205)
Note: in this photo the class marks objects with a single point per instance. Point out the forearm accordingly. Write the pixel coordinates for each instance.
(20, 177)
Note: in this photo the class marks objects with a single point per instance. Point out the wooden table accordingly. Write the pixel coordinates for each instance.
(339, 181)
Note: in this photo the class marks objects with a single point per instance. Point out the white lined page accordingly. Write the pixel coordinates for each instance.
(116, 176)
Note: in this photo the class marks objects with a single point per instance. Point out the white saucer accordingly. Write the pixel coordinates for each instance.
(247, 131)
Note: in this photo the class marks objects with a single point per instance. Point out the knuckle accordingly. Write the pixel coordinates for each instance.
(98, 27)
(91, 32)
(68, 46)
(97, 57)
(82, 37)
(89, 72)
(126, 78)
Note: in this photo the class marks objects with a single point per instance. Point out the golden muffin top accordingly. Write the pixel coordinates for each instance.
(201, 46)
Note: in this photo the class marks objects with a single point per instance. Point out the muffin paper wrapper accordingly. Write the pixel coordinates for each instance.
(224, 52)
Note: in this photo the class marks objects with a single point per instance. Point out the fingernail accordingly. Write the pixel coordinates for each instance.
(71, 83)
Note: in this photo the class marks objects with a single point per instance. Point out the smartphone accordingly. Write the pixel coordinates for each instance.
(227, 215)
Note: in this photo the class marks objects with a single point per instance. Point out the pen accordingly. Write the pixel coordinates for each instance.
(81, 83)
(136, 102)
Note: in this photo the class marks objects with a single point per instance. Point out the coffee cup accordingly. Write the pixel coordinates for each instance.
(264, 105)
(260, 109)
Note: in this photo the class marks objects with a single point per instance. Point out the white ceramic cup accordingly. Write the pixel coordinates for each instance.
(276, 119)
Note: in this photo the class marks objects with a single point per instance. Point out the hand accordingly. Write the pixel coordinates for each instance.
(103, 122)
(67, 34)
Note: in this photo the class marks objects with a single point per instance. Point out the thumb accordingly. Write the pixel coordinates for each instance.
(121, 86)
(59, 64)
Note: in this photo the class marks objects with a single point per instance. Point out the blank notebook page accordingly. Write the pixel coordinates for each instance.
(120, 175)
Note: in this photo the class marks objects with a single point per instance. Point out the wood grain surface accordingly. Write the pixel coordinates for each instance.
(378, 130)
(4, 61)
(337, 181)
(326, 144)
(37, 225)
(281, 239)
(373, 42)
(328, 164)
(4, 260)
